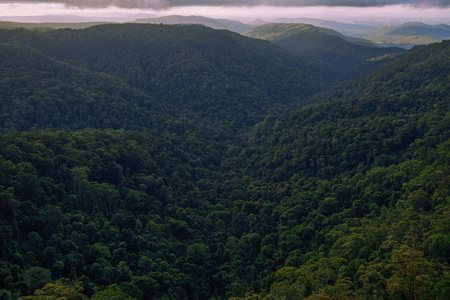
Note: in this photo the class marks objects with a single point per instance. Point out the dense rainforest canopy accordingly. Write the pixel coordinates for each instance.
(159, 162)
(192, 71)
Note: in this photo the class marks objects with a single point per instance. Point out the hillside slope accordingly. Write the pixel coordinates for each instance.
(441, 31)
(220, 75)
(346, 199)
(280, 31)
(350, 57)
(344, 28)
(409, 34)
(350, 193)
(395, 95)
(231, 25)
(38, 92)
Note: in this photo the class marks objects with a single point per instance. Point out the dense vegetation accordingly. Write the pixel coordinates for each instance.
(38, 92)
(348, 57)
(225, 78)
(231, 25)
(344, 199)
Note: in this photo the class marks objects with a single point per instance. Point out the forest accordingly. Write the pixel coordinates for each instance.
(142, 161)
(347, 56)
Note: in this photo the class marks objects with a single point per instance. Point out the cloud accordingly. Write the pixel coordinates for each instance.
(165, 4)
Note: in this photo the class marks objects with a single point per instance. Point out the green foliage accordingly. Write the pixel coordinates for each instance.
(347, 57)
(5, 295)
(37, 277)
(216, 78)
(38, 92)
(340, 200)
(62, 289)
(113, 293)
(411, 274)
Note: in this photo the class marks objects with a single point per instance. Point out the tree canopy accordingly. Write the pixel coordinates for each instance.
(125, 196)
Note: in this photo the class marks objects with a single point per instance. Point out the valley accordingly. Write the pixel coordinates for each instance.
(156, 161)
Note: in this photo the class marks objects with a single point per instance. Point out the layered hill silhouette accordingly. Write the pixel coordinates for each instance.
(409, 34)
(222, 76)
(420, 29)
(231, 25)
(406, 35)
(174, 190)
(344, 28)
(278, 31)
(44, 26)
(351, 57)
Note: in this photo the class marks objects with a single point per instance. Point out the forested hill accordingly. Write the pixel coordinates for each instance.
(346, 199)
(222, 76)
(46, 26)
(279, 31)
(231, 25)
(373, 120)
(38, 92)
(357, 187)
(441, 31)
(349, 57)
(409, 34)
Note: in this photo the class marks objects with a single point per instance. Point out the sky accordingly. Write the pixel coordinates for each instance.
(437, 11)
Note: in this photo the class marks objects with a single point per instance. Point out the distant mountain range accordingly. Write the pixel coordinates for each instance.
(145, 161)
(47, 25)
(231, 25)
(71, 18)
(409, 34)
(406, 35)
(441, 31)
(182, 68)
(275, 31)
(344, 28)
(350, 57)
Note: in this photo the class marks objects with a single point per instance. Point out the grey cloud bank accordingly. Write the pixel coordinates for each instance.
(165, 4)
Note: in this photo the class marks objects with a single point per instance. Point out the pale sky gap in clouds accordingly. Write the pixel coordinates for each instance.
(348, 11)
(166, 4)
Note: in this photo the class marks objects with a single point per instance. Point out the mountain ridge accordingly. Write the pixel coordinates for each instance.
(184, 162)
(231, 25)
(51, 94)
(185, 67)
(409, 34)
(349, 56)
(343, 195)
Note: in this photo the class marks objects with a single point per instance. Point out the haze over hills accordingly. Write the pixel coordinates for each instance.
(47, 25)
(348, 56)
(441, 31)
(381, 32)
(409, 29)
(344, 28)
(279, 31)
(73, 18)
(184, 162)
(405, 35)
(231, 25)
(409, 34)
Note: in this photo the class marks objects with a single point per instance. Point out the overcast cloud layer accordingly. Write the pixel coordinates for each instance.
(165, 4)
